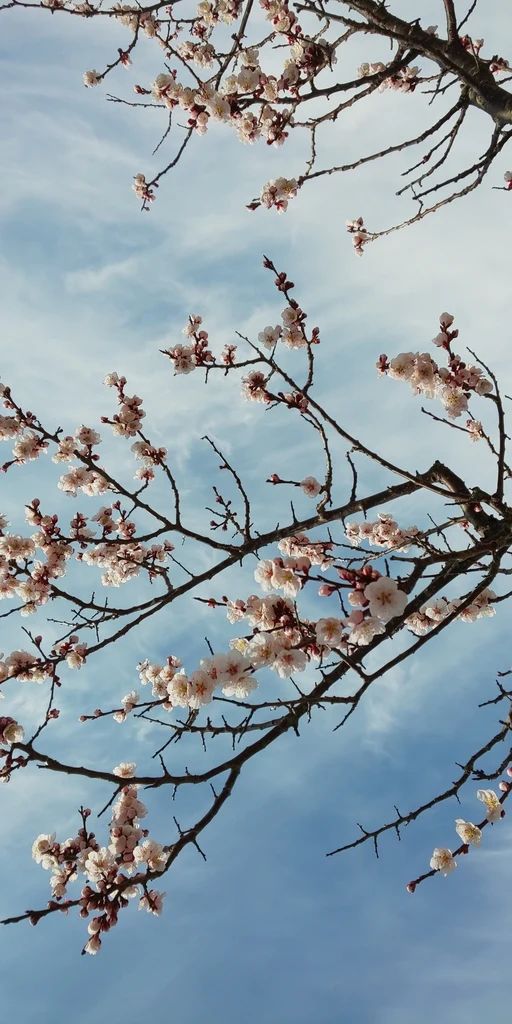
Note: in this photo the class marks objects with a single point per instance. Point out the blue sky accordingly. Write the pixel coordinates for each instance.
(268, 929)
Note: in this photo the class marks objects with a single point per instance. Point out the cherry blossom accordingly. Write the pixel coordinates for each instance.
(493, 808)
(125, 770)
(385, 599)
(277, 193)
(442, 860)
(329, 632)
(468, 832)
(310, 486)
(152, 902)
(91, 78)
(10, 731)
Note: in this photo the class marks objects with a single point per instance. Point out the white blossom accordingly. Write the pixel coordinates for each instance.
(310, 486)
(386, 600)
(442, 860)
(493, 808)
(125, 770)
(468, 832)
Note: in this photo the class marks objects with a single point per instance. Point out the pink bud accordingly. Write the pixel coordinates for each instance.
(355, 618)
(446, 319)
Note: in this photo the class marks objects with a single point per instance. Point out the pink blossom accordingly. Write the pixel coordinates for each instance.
(329, 632)
(10, 731)
(311, 486)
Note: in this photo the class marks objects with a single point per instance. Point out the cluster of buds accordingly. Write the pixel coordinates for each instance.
(498, 65)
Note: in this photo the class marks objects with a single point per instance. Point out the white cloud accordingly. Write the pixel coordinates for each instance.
(94, 279)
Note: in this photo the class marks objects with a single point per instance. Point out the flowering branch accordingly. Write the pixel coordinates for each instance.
(386, 580)
(290, 81)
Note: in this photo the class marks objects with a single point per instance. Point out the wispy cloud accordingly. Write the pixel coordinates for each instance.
(94, 279)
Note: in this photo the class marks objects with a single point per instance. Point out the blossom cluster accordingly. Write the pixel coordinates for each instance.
(497, 65)
(231, 673)
(10, 731)
(452, 384)
(291, 331)
(24, 667)
(284, 643)
(403, 80)
(442, 859)
(238, 88)
(128, 421)
(434, 612)
(278, 193)
(279, 639)
(28, 444)
(375, 600)
(203, 101)
(360, 236)
(383, 532)
(114, 874)
(31, 578)
(196, 353)
(122, 562)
